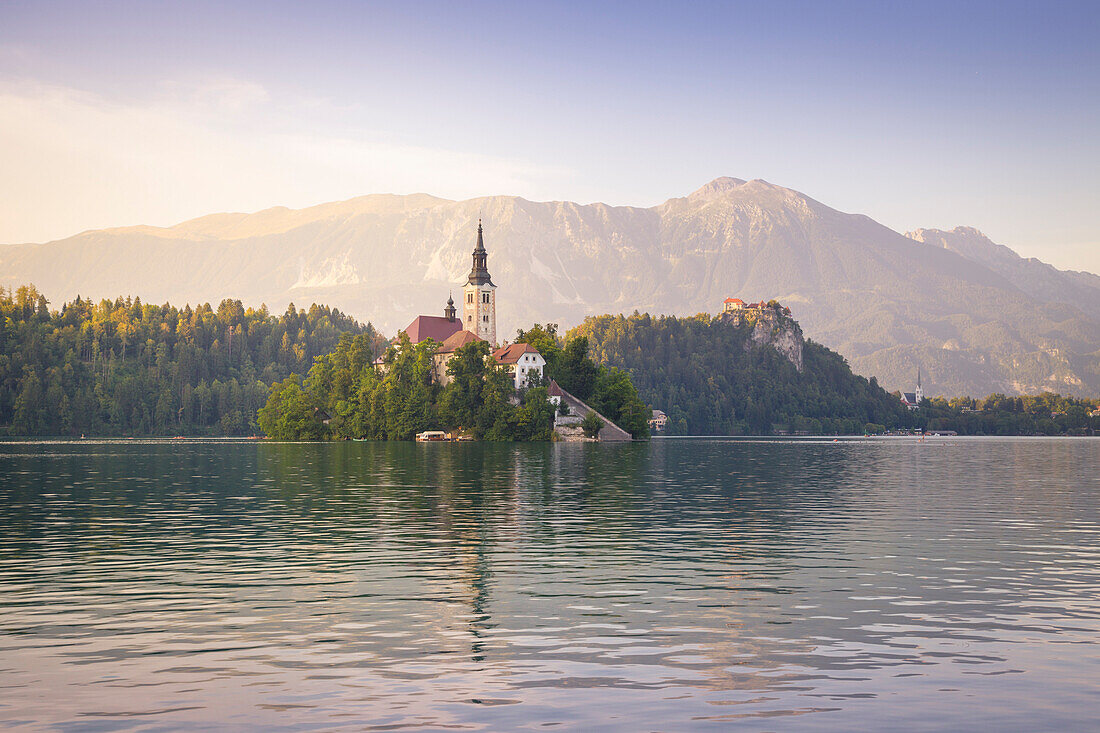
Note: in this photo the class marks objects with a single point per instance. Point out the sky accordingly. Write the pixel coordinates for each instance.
(915, 114)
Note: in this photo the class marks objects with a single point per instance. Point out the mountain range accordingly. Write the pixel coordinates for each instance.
(974, 316)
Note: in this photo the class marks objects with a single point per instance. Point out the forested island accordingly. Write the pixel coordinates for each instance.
(346, 396)
(124, 367)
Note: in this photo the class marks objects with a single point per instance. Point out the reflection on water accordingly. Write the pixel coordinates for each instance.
(679, 584)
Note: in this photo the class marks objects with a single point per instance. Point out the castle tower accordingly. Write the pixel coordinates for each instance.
(479, 302)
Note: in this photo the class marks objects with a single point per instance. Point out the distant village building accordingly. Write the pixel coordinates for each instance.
(522, 361)
(912, 399)
(658, 421)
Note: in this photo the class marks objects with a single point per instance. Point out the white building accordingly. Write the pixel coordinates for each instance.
(732, 304)
(522, 361)
(658, 421)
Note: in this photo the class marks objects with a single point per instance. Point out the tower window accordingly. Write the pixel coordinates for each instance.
(469, 319)
(484, 297)
(485, 318)
(469, 297)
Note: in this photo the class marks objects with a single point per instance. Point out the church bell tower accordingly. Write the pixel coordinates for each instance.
(479, 301)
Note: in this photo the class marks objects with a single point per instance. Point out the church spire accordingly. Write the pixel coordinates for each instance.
(479, 273)
(449, 311)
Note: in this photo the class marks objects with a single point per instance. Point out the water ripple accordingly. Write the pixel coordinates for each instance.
(702, 584)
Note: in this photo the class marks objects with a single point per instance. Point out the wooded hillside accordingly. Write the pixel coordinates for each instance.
(124, 367)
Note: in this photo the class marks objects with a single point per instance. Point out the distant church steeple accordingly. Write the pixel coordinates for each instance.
(479, 307)
(449, 311)
(920, 391)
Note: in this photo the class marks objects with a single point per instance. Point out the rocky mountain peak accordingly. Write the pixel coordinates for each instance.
(942, 238)
(717, 187)
(966, 241)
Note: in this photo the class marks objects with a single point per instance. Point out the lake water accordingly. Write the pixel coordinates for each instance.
(672, 585)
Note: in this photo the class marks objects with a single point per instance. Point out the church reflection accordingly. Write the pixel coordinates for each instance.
(715, 554)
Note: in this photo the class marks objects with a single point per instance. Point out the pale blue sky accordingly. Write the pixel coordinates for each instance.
(933, 115)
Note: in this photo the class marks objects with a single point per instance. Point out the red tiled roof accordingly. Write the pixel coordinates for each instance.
(456, 341)
(734, 300)
(555, 390)
(511, 354)
(432, 327)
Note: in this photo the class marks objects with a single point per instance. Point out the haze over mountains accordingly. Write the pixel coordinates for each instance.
(976, 317)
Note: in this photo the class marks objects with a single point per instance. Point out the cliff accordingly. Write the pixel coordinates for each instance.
(772, 327)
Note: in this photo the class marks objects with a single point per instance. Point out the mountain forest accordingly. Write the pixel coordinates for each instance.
(710, 379)
(124, 367)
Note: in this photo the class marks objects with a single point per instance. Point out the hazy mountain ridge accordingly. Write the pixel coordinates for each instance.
(1036, 278)
(973, 317)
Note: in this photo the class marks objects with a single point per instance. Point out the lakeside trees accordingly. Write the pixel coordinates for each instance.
(1044, 414)
(126, 368)
(123, 367)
